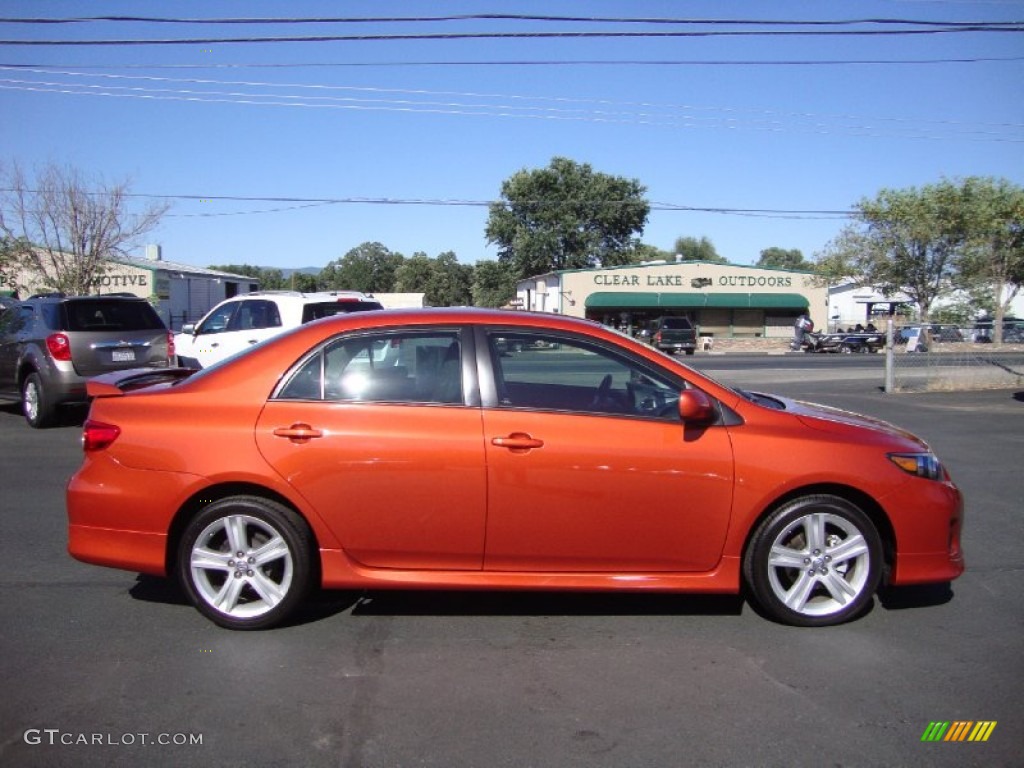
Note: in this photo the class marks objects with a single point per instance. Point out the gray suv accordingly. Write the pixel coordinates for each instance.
(50, 346)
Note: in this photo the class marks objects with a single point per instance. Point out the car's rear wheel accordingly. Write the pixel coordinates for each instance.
(35, 404)
(815, 561)
(246, 562)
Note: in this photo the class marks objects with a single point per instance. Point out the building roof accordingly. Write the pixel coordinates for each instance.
(185, 269)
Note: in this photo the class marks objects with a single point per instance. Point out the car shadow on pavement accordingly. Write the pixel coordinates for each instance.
(915, 596)
(438, 603)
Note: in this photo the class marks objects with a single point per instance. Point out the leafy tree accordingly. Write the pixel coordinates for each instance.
(992, 260)
(415, 273)
(645, 252)
(903, 240)
(783, 258)
(692, 249)
(494, 285)
(65, 228)
(566, 216)
(8, 264)
(369, 267)
(303, 281)
(450, 283)
(270, 279)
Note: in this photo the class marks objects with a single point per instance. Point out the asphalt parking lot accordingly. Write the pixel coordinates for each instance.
(101, 666)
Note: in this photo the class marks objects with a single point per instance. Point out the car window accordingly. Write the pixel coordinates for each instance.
(549, 372)
(256, 313)
(219, 320)
(111, 315)
(322, 309)
(404, 367)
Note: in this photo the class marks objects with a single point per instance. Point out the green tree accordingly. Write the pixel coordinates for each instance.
(782, 258)
(369, 267)
(66, 229)
(303, 281)
(992, 261)
(270, 279)
(566, 216)
(692, 249)
(450, 283)
(904, 240)
(8, 264)
(494, 285)
(645, 252)
(415, 273)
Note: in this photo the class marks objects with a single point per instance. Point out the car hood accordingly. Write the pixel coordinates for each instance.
(828, 419)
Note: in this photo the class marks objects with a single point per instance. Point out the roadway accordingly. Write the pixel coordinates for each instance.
(494, 679)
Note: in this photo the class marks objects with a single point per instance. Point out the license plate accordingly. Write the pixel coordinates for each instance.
(123, 355)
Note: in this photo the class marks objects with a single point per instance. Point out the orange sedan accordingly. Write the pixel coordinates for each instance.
(474, 449)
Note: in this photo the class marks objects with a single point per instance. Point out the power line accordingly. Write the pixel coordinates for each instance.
(294, 203)
(515, 98)
(537, 63)
(499, 17)
(1010, 27)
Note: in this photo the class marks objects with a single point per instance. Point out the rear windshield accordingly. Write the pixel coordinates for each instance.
(676, 323)
(312, 312)
(110, 315)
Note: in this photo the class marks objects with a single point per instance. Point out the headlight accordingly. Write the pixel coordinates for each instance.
(925, 465)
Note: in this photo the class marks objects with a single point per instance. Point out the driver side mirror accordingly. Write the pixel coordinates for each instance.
(189, 328)
(696, 408)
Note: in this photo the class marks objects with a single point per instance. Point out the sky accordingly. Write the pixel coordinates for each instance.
(289, 153)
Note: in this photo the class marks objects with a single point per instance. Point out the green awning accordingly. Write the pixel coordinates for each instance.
(621, 300)
(647, 300)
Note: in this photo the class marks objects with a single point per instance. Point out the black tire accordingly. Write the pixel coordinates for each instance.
(265, 593)
(833, 567)
(689, 352)
(39, 412)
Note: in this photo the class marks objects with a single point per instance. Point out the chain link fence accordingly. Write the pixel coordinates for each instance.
(953, 365)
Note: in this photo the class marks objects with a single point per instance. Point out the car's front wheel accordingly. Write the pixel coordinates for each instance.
(815, 561)
(35, 404)
(246, 562)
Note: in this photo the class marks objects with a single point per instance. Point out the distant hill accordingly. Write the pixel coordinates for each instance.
(301, 271)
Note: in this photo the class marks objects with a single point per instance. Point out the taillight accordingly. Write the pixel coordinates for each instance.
(59, 346)
(96, 435)
(170, 346)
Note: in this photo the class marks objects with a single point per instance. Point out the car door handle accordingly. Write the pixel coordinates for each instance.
(298, 433)
(254, 341)
(517, 441)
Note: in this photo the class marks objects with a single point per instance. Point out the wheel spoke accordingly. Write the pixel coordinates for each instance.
(840, 589)
(235, 529)
(274, 549)
(797, 595)
(209, 559)
(227, 598)
(849, 548)
(786, 557)
(814, 526)
(271, 592)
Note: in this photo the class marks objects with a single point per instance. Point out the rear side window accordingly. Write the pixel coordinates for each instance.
(312, 312)
(412, 367)
(112, 315)
(255, 314)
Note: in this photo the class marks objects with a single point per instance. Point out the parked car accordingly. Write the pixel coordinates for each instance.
(50, 346)
(936, 332)
(385, 450)
(1013, 331)
(247, 319)
(673, 334)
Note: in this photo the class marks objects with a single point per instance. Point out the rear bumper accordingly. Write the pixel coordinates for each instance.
(126, 550)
